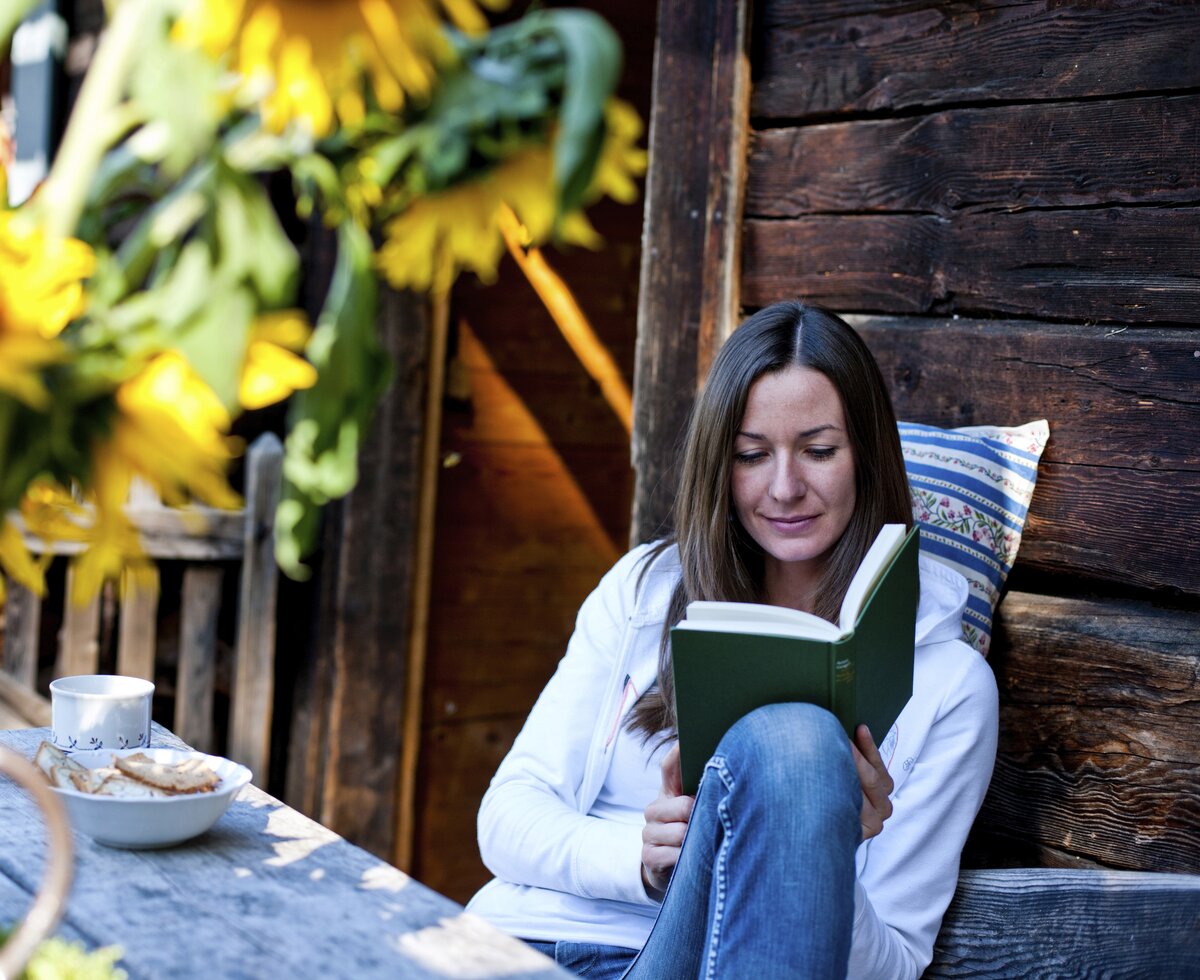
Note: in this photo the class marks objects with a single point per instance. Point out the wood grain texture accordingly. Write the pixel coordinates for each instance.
(137, 631)
(265, 892)
(32, 708)
(1037, 923)
(1113, 265)
(201, 603)
(688, 283)
(422, 587)
(352, 722)
(841, 58)
(1098, 757)
(467, 753)
(78, 639)
(254, 652)
(188, 534)
(532, 407)
(22, 627)
(1123, 406)
(963, 160)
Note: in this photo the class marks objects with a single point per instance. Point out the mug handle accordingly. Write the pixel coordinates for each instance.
(51, 899)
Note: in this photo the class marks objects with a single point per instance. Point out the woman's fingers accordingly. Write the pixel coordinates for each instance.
(876, 783)
(666, 824)
(672, 779)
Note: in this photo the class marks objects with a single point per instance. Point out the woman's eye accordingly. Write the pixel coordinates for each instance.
(822, 452)
(750, 456)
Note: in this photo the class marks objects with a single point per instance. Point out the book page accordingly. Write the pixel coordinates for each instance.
(757, 617)
(887, 542)
(812, 627)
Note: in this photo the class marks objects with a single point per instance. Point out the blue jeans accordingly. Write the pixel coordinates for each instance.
(593, 961)
(765, 882)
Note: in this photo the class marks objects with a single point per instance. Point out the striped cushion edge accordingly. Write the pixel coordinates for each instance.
(971, 489)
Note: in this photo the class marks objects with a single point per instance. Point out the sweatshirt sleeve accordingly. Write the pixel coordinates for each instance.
(531, 828)
(911, 869)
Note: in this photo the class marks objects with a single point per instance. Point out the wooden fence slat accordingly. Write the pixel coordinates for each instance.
(254, 678)
(186, 534)
(78, 642)
(961, 160)
(18, 701)
(198, 656)
(1128, 265)
(347, 768)
(1098, 757)
(22, 625)
(137, 633)
(1039, 923)
(854, 59)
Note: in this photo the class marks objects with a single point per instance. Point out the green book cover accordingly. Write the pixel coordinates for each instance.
(729, 658)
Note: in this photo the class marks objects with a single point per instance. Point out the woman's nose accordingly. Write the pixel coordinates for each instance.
(786, 481)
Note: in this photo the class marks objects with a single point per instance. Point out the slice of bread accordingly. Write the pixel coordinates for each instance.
(57, 765)
(188, 776)
(113, 782)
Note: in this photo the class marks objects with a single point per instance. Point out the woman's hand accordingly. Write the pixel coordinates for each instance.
(876, 783)
(666, 823)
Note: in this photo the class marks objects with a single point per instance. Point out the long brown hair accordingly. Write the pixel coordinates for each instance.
(718, 558)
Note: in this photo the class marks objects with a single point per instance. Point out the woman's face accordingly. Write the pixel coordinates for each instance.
(793, 469)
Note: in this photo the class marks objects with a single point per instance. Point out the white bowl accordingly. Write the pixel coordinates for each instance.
(154, 821)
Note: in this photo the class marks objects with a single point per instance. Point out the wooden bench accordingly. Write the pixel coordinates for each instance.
(968, 183)
(205, 540)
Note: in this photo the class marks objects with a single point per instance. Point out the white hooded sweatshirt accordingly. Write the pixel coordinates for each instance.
(564, 873)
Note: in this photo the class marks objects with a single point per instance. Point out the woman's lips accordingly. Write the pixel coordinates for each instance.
(791, 525)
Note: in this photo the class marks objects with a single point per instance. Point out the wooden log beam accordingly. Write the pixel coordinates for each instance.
(1125, 265)
(842, 57)
(687, 299)
(963, 160)
(1084, 923)
(1131, 392)
(1098, 756)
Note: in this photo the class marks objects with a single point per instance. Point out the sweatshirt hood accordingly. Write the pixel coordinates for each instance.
(943, 599)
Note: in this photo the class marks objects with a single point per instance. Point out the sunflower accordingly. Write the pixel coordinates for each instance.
(169, 430)
(18, 564)
(426, 245)
(303, 60)
(41, 291)
(273, 367)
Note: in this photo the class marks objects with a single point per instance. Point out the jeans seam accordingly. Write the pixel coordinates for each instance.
(719, 872)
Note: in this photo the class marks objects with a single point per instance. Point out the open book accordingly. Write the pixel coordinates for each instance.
(729, 658)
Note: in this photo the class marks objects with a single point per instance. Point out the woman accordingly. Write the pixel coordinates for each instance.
(805, 855)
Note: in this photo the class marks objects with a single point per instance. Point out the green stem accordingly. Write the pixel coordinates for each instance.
(89, 135)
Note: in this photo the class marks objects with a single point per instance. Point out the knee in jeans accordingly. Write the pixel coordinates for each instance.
(778, 741)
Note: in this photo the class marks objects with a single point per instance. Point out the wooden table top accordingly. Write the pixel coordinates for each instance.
(265, 892)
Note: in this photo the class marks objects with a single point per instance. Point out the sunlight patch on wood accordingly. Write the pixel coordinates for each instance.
(302, 837)
(467, 948)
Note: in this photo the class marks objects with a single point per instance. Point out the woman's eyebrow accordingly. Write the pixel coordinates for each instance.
(827, 427)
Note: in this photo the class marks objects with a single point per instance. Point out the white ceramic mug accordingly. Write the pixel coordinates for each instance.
(100, 711)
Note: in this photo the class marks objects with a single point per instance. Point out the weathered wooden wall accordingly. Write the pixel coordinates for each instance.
(533, 506)
(1005, 198)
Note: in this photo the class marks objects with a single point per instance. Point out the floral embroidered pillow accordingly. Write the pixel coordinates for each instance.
(971, 489)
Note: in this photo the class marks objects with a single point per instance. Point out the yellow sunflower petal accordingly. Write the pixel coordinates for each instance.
(271, 374)
(18, 563)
